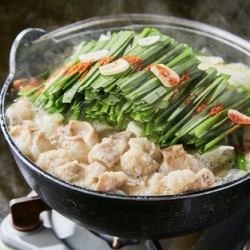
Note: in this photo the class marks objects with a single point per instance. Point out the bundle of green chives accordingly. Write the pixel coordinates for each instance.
(194, 114)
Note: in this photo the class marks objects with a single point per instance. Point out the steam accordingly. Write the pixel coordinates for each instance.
(230, 15)
(227, 14)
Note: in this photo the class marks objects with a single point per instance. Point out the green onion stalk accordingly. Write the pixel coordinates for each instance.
(195, 113)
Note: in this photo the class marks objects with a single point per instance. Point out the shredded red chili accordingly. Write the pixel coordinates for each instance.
(105, 60)
(137, 61)
(76, 68)
(185, 77)
(166, 73)
(33, 82)
(84, 74)
(163, 71)
(39, 91)
(148, 67)
(17, 84)
(132, 59)
(215, 110)
(139, 66)
(201, 107)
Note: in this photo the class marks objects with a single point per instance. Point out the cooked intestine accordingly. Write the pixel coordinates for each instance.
(19, 111)
(108, 160)
(110, 149)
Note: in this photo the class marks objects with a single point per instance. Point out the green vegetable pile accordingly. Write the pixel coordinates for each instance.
(194, 113)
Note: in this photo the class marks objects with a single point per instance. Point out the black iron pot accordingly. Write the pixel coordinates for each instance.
(125, 216)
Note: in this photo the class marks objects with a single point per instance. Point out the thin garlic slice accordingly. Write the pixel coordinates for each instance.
(167, 76)
(237, 117)
(105, 37)
(147, 41)
(115, 67)
(94, 56)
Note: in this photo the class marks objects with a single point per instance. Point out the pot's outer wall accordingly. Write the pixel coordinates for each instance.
(148, 219)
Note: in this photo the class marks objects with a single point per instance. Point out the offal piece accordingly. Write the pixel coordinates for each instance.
(141, 159)
(83, 129)
(146, 146)
(50, 124)
(70, 172)
(176, 158)
(31, 143)
(50, 160)
(91, 175)
(19, 111)
(156, 185)
(109, 151)
(136, 163)
(77, 148)
(40, 144)
(22, 135)
(180, 181)
(110, 181)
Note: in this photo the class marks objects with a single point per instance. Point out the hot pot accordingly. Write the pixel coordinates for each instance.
(150, 217)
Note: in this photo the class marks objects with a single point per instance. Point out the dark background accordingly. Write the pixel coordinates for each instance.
(16, 15)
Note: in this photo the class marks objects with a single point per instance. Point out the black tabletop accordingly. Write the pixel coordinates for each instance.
(15, 15)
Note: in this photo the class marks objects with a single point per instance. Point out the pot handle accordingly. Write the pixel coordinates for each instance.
(26, 212)
(24, 38)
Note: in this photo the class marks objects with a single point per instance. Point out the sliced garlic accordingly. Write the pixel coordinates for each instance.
(94, 56)
(167, 76)
(147, 41)
(115, 67)
(237, 117)
(104, 37)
